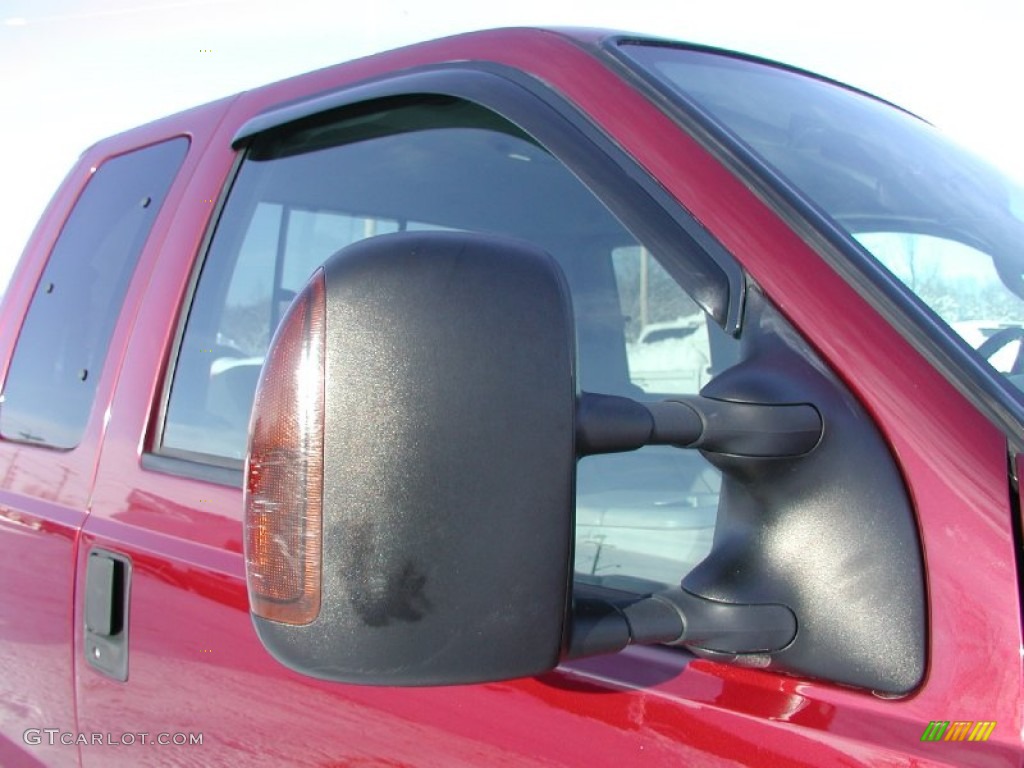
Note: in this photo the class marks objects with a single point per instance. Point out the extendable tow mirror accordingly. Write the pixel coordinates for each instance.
(410, 481)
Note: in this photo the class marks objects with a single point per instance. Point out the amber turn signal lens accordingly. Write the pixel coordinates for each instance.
(284, 467)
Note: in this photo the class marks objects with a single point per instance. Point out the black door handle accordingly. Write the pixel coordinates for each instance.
(107, 578)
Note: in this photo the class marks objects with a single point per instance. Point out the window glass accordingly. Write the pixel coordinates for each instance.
(963, 287)
(301, 196)
(309, 237)
(63, 343)
(667, 346)
(650, 515)
(945, 223)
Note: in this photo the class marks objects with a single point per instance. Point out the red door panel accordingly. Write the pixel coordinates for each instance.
(37, 543)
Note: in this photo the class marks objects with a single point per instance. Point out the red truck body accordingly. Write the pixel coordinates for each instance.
(196, 666)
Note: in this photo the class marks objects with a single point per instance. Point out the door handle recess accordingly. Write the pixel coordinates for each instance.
(107, 579)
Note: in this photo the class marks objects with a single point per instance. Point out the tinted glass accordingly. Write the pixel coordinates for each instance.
(63, 343)
(947, 225)
(444, 164)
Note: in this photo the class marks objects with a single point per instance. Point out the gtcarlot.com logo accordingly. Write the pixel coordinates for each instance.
(958, 730)
(54, 736)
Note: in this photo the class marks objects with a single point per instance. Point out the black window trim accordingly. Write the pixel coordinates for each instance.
(645, 209)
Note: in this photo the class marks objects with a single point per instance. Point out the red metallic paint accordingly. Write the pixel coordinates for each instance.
(196, 665)
(36, 681)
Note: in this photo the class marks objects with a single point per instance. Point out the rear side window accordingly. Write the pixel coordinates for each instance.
(63, 343)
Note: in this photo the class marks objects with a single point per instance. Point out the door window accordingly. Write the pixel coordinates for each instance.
(442, 163)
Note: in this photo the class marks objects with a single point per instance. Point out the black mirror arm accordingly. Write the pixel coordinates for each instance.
(606, 623)
(612, 424)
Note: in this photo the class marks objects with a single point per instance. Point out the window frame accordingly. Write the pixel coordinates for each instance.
(643, 207)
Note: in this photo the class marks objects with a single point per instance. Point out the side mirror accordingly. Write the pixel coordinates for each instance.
(409, 492)
(409, 499)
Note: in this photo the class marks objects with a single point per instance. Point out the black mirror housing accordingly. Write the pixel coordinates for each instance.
(410, 488)
(448, 356)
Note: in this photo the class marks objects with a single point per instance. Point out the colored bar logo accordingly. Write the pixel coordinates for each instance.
(958, 730)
